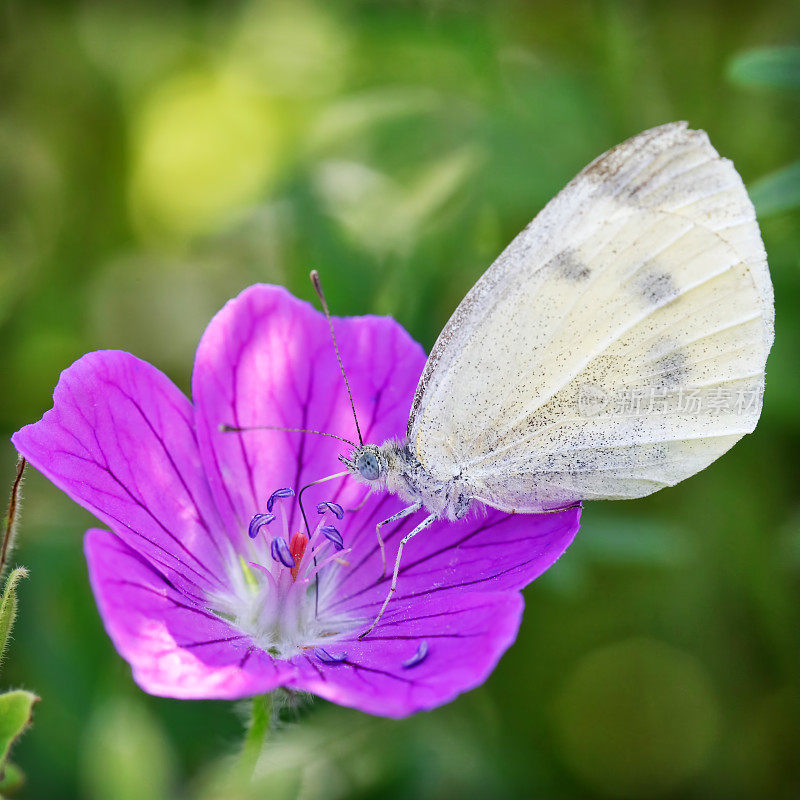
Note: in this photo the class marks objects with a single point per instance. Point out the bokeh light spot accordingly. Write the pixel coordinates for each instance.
(205, 145)
(636, 718)
(296, 49)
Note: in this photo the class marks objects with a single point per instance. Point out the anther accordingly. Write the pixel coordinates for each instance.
(258, 521)
(333, 536)
(418, 657)
(278, 493)
(329, 658)
(329, 505)
(280, 552)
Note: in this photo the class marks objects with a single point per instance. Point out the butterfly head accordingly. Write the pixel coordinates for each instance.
(366, 462)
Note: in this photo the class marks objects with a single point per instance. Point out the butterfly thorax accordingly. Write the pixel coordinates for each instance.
(394, 468)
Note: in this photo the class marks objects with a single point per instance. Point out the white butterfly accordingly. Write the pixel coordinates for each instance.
(616, 346)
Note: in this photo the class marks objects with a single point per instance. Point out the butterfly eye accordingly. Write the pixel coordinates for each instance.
(368, 466)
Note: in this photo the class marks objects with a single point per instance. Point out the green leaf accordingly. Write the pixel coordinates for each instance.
(778, 191)
(16, 708)
(8, 606)
(767, 66)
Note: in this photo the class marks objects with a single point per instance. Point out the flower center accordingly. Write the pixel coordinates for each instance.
(280, 587)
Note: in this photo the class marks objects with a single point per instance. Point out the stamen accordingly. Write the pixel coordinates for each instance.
(329, 658)
(333, 558)
(258, 521)
(264, 571)
(287, 492)
(418, 657)
(249, 578)
(333, 536)
(280, 551)
(334, 508)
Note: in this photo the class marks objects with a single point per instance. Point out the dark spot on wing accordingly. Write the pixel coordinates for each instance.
(656, 287)
(567, 264)
(671, 365)
(672, 369)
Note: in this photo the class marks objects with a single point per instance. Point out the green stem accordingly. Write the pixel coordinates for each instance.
(256, 734)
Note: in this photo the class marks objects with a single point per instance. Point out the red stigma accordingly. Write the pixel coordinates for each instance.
(297, 546)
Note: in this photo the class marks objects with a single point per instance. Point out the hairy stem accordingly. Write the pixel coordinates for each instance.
(11, 516)
(256, 734)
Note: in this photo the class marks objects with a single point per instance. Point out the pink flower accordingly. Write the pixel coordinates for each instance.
(202, 610)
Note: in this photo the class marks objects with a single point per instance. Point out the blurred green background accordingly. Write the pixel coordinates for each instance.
(155, 158)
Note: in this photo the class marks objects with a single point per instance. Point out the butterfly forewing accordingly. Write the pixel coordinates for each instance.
(616, 346)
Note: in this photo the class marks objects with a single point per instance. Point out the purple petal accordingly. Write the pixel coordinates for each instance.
(267, 358)
(279, 549)
(120, 441)
(258, 522)
(333, 536)
(468, 634)
(279, 493)
(176, 649)
(334, 508)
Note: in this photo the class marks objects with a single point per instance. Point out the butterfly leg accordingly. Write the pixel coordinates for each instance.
(407, 538)
(399, 515)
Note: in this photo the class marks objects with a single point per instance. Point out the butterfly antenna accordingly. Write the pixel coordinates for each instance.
(224, 428)
(318, 289)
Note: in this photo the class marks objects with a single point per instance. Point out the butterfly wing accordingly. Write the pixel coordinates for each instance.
(616, 346)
